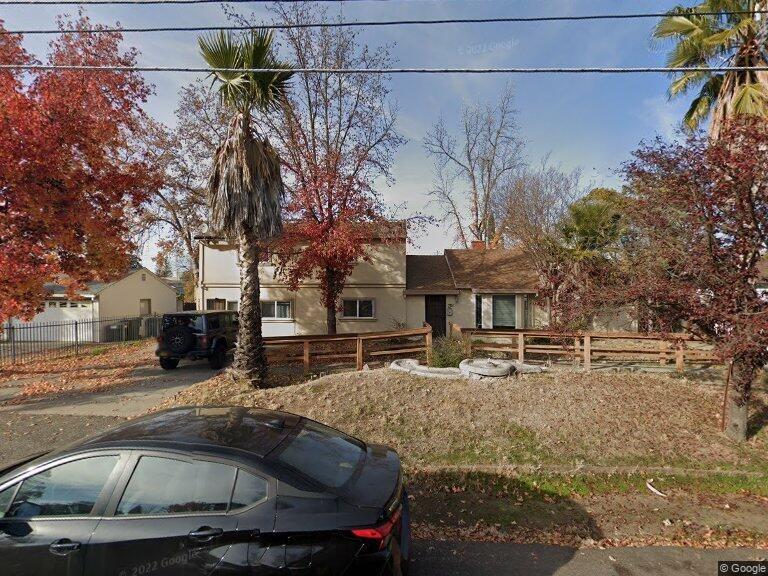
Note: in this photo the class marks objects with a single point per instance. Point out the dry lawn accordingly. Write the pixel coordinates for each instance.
(560, 419)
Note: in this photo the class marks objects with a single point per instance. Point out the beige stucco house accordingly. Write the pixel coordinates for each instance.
(489, 288)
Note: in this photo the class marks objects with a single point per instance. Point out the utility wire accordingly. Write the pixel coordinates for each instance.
(374, 23)
(557, 70)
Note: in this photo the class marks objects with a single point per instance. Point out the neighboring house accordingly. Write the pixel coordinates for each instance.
(139, 293)
(473, 288)
(373, 297)
(489, 288)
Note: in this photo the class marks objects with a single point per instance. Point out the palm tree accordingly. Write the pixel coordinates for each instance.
(245, 190)
(728, 38)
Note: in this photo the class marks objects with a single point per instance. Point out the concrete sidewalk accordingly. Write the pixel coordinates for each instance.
(490, 559)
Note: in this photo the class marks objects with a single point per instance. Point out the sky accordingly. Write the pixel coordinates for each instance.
(592, 122)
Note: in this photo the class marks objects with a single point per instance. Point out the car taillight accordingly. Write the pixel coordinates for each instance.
(203, 341)
(378, 535)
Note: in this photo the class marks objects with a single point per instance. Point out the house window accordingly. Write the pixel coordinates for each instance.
(143, 277)
(62, 304)
(275, 310)
(358, 308)
(504, 312)
(478, 311)
(51, 304)
(73, 304)
(215, 304)
(145, 307)
(233, 305)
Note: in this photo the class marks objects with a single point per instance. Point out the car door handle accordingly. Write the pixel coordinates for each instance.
(205, 534)
(63, 547)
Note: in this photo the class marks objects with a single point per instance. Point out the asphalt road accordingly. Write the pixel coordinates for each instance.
(490, 559)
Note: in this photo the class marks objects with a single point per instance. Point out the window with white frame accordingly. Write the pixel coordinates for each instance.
(276, 310)
(358, 308)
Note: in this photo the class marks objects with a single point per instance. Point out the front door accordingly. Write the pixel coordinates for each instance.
(434, 314)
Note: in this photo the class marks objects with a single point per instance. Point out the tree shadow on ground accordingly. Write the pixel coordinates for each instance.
(464, 523)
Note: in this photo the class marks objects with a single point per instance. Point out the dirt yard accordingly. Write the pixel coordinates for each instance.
(564, 419)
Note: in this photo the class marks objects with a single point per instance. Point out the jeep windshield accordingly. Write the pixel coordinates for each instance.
(196, 322)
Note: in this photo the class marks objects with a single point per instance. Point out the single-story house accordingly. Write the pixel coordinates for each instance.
(140, 292)
(489, 288)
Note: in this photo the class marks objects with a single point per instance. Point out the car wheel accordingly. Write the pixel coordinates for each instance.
(169, 363)
(218, 357)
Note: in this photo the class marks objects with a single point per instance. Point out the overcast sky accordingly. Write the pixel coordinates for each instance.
(587, 121)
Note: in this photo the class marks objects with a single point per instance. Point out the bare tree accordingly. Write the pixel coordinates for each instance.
(178, 211)
(474, 166)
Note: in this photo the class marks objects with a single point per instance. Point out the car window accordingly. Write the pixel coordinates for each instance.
(70, 489)
(323, 454)
(196, 322)
(166, 486)
(213, 322)
(249, 489)
(5, 499)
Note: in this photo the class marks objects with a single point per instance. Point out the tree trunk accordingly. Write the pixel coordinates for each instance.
(742, 377)
(330, 307)
(250, 355)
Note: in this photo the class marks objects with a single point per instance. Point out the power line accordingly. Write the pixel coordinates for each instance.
(555, 70)
(373, 23)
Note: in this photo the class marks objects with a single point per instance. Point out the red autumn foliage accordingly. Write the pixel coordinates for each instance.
(332, 221)
(698, 214)
(70, 168)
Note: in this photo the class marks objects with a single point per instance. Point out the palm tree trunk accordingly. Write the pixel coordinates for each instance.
(250, 356)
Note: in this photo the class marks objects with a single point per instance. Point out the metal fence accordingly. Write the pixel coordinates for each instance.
(22, 341)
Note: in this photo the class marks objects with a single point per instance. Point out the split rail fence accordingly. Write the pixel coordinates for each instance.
(584, 347)
(348, 348)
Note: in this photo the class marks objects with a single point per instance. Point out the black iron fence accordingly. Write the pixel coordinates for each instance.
(22, 341)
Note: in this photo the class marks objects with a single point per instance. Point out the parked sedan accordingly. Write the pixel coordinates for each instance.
(207, 491)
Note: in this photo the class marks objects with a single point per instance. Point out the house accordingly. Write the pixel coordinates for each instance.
(489, 288)
(373, 298)
(140, 292)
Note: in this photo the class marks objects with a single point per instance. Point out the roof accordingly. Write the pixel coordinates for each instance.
(428, 275)
(94, 288)
(494, 270)
(252, 430)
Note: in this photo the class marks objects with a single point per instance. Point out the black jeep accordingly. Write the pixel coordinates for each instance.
(196, 335)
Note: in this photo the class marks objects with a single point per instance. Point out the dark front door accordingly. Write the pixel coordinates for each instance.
(434, 314)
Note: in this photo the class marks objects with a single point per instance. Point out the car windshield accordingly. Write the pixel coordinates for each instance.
(195, 321)
(323, 454)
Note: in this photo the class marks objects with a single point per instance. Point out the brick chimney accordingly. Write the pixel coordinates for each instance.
(478, 245)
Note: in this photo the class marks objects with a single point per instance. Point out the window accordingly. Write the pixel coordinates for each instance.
(233, 305)
(504, 315)
(326, 455)
(166, 486)
(358, 308)
(272, 309)
(51, 304)
(145, 307)
(478, 311)
(70, 489)
(215, 304)
(5, 499)
(62, 304)
(73, 304)
(196, 322)
(213, 322)
(249, 489)
(143, 277)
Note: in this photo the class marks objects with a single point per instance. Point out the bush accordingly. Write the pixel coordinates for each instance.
(447, 352)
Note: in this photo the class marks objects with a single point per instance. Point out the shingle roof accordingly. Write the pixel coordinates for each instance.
(493, 270)
(428, 274)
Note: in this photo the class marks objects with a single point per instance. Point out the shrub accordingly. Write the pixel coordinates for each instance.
(447, 352)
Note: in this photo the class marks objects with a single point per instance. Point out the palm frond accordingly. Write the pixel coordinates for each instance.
(751, 99)
(686, 82)
(702, 105)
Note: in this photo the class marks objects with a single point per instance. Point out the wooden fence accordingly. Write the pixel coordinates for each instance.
(584, 347)
(348, 348)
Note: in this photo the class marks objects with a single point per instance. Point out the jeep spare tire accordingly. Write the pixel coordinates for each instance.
(179, 339)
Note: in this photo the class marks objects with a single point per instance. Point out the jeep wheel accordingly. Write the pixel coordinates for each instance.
(169, 363)
(179, 340)
(218, 357)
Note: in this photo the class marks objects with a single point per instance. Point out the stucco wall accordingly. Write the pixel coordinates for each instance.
(122, 298)
(382, 279)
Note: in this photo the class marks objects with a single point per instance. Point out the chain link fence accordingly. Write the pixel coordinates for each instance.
(23, 341)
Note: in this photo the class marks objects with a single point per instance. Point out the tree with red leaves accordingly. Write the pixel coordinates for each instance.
(698, 230)
(71, 170)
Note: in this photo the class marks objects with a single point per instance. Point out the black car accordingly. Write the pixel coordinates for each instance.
(196, 335)
(207, 491)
